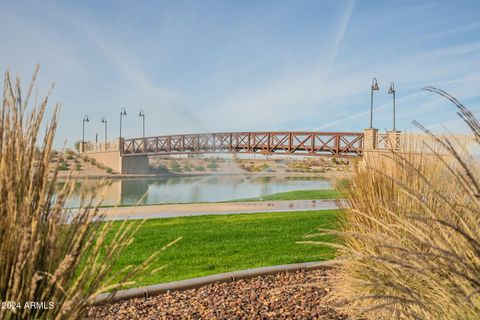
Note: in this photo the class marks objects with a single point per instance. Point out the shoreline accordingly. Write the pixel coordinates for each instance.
(224, 208)
(117, 176)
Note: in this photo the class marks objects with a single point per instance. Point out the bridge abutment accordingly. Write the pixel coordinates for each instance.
(110, 155)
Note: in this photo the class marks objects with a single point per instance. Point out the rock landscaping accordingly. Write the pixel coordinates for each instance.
(299, 295)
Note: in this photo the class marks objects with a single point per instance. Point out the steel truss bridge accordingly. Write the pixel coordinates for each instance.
(336, 144)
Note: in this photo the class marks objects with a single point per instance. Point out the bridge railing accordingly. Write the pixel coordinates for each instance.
(338, 144)
(112, 145)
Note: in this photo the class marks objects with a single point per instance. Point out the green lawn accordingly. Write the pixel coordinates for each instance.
(221, 243)
(299, 195)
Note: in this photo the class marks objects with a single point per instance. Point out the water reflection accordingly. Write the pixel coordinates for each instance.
(196, 189)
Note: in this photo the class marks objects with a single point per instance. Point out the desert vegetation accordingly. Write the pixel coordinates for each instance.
(411, 233)
(83, 165)
(316, 165)
(43, 247)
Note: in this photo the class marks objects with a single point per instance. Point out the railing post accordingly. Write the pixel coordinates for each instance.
(290, 142)
(337, 144)
(249, 144)
(312, 143)
(269, 136)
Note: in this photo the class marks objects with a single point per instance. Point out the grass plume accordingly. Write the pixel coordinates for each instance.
(411, 232)
(47, 253)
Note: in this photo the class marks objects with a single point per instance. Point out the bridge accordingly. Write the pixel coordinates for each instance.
(335, 144)
(131, 155)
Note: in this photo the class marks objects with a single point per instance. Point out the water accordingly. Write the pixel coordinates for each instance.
(196, 189)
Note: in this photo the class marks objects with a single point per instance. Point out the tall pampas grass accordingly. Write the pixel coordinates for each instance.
(411, 232)
(52, 261)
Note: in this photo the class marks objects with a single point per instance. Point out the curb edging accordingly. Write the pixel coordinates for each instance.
(156, 289)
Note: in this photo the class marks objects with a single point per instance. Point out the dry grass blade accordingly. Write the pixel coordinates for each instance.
(411, 232)
(44, 248)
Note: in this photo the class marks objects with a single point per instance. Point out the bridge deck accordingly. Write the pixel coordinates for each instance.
(338, 144)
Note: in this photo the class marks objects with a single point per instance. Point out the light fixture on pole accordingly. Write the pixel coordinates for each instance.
(142, 114)
(122, 113)
(104, 120)
(392, 92)
(374, 88)
(85, 119)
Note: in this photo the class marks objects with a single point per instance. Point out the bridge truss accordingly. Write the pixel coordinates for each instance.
(337, 144)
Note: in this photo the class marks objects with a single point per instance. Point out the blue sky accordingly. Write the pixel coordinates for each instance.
(206, 66)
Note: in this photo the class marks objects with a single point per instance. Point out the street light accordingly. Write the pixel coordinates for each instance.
(142, 114)
(122, 113)
(374, 87)
(392, 92)
(104, 120)
(85, 119)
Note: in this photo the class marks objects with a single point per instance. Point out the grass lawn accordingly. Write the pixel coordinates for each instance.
(221, 243)
(300, 195)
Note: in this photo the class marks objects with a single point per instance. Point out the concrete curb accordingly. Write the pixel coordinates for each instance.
(156, 289)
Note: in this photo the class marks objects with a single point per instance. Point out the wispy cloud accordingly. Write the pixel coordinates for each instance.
(211, 66)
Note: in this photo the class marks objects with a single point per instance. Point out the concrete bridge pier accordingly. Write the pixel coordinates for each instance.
(137, 164)
(110, 155)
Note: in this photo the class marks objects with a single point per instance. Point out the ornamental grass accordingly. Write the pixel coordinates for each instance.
(411, 231)
(52, 261)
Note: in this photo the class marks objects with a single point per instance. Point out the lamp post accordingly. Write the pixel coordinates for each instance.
(85, 119)
(122, 113)
(142, 114)
(104, 120)
(392, 92)
(374, 88)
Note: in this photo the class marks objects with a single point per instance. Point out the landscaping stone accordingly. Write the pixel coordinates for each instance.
(298, 295)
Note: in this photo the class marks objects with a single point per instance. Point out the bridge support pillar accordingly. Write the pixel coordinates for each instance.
(134, 164)
(370, 139)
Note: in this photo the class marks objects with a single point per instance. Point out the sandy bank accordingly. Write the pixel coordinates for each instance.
(196, 209)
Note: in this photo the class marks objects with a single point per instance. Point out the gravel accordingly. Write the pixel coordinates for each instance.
(299, 295)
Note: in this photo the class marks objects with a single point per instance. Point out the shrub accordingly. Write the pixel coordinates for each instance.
(200, 168)
(187, 167)
(77, 145)
(63, 166)
(212, 166)
(343, 184)
(162, 168)
(69, 156)
(176, 167)
(411, 233)
(109, 170)
(78, 167)
(93, 161)
(43, 248)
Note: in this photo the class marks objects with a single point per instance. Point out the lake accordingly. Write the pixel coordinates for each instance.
(194, 189)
